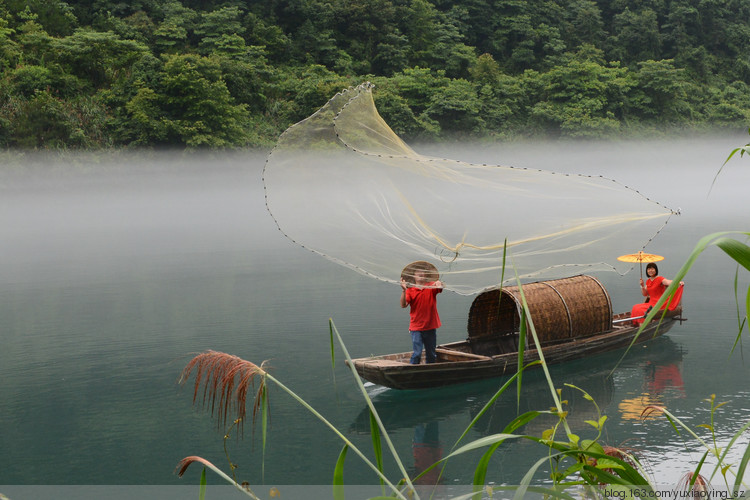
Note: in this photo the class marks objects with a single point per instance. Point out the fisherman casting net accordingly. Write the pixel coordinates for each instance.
(342, 184)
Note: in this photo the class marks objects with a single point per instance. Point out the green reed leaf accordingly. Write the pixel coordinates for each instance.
(377, 446)
(480, 472)
(521, 350)
(202, 491)
(263, 426)
(698, 468)
(741, 469)
(491, 402)
(338, 475)
(737, 435)
(333, 345)
(736, 250)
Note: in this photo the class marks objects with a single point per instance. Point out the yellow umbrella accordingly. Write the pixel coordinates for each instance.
(640, 257)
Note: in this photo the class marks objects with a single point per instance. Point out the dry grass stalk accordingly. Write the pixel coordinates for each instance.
(652, 410)
(701, 487)
(186, 462)
(226, 380)
(626, 455)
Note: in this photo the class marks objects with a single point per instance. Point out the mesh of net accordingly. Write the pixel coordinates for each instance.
(342, 184)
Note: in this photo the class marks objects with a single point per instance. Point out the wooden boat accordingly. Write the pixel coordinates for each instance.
(572, 317)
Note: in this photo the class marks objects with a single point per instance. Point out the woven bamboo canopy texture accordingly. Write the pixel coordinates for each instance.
(561, 309)
(342, 184)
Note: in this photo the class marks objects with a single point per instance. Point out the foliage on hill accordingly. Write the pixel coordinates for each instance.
(77, 74)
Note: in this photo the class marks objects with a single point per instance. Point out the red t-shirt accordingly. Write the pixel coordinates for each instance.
(423, 314)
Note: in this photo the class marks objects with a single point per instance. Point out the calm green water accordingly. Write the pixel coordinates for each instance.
(111, 280)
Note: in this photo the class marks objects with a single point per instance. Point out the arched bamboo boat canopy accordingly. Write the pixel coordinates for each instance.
(561, 310)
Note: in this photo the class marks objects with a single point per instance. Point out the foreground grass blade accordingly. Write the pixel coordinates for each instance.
(333, 346)
(491, 402)
(736, 250)
(741, 150)
(480, 472)
(202, 490)
(697, 472)
(338, 475)
(522, 337)
(338, 433)
(741, 321)
(377, 446)
(264, 426)
(745, 458)
(540, 353)
(375, 415)
(741, 470)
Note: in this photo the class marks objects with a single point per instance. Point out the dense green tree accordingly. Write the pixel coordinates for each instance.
(456, 108)
(198, 104)
(581, 98)
(435, 40)
(271, 37)
(47, 121)
(418, 85)
(585, 25)
(95, 56)
(663, 92)
(396, 111)
(363, 24)
(485, 70)
(29, 79)
(247, 78)
(449, 53)
(635, 37)
(88, 10)
(219, 32)
(307, 89)
(392, 54)
(186, 104)
(56, 18)
(175, 27)
(32, 38)
(527, 33)
(10, 52)
(137, 26)
(503, 98)
(314, 45)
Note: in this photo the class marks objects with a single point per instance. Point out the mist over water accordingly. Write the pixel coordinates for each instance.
(114, 272)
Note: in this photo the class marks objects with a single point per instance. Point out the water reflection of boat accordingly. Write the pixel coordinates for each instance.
(662, 377)
(438, 416)
(427, 450)
(572, 317)
(597, 380)
(400, 410)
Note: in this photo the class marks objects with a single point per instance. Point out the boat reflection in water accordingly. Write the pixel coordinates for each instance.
(438, 416)
(427, 449)
(662, 377)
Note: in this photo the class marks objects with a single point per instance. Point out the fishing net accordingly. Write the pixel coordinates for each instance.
(342, 184)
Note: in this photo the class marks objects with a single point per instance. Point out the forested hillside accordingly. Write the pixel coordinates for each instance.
(107, 73)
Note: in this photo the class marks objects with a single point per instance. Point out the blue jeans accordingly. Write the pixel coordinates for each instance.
(426, 339)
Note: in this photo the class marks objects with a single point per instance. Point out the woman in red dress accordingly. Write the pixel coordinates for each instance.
(653, 288)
